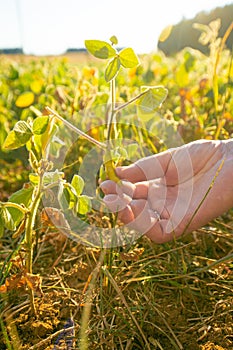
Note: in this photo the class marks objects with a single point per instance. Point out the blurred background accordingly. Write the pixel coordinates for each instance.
(51, 27)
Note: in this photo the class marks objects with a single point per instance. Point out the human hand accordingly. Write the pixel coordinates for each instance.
(174, 192)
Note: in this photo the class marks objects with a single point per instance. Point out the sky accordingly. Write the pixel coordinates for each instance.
(50, 27)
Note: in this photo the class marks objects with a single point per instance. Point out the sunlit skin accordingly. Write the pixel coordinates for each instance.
(174, 192)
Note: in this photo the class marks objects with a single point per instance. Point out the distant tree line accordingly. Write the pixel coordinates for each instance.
(13, 51)
(74, 50)
(184, 35)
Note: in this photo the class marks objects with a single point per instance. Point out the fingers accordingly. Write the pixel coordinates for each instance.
(137, 215)
(132, 173)
(159, 235)
(155, 192)
(135, 191)
(131, 202)
(186, 161)
(108, 187)
(148, 222)
(148, 168)
(177, 164)
(117, 203)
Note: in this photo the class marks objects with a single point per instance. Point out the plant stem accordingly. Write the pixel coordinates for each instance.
(16, 206)
(117, 109)
(109, 164)
(5, 335)
(30, 223)
(83, 338)
(112, 118)
(75, 129)
(113, 93)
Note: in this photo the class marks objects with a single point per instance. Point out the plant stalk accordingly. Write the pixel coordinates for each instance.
(117, 109)
(75, 129)
(30, 223)
(83, 338)
(16, 206)
(112, 118)
(111, 134)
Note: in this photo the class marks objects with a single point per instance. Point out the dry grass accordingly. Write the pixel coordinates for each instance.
(174, 296)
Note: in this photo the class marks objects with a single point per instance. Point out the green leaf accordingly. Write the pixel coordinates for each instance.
(34, 178)
(23, 131)
(84, 205)
(118, 153)
(19, 136)
(152, 99)
(189, 61)
(7, 219)
(3, 133)
(182, 77)
(71, 195)
(78, 184)
(100, 49)
(132, 150)
(112, 68)
(48, 178)
(25, 99)
(55, 146)
(1, 226)
(47, 136)
(11, 141)
(40, 124)
(63, 196)
(114, 40)
(128, 58)
(23, 196)
(13, 72)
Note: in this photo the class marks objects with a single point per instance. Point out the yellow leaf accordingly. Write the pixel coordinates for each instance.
(165, 33)
(110, 171)
(25, 99)
(36, 86)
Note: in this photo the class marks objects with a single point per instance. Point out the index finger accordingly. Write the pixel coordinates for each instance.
(147, 168)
